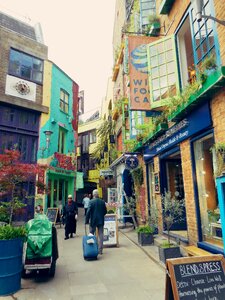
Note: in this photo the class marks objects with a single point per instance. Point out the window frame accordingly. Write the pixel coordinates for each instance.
(174, 59)
(62, 102)
(21, 67)
(62, 140)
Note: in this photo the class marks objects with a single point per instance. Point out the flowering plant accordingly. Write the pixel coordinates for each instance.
(112, 207)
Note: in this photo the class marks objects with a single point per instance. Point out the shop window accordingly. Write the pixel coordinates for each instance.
(151, 183)
(64, 101)
(208, 201)
(25, 66)
(163, 73)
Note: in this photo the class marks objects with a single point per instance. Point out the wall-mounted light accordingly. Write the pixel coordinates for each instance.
(48, 134)
(198, 6)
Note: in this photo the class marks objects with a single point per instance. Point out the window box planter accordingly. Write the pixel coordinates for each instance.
(213, 83)
(154, 29)
(166, 253)
(145, 239)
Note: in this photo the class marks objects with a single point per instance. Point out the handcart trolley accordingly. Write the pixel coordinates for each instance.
(41, 248)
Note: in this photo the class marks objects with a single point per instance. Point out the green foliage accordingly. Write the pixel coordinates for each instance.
(174, 102)
(166, 244)
(137, 175)
(172, 211)
(209, 63)
(6, 207)
(9, 232)
(130, 207)
(145, 229)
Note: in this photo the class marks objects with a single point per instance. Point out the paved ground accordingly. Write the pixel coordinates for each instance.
(126, 272)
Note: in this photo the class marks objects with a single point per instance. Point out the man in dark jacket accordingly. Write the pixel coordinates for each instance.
(96, 214)
(70, 212)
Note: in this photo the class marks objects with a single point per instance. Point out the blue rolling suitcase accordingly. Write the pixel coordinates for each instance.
(90, 246)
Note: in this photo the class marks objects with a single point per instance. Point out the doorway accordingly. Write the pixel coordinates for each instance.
(172, 181)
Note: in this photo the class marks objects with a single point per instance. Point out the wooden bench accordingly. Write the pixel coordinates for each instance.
(195, 251)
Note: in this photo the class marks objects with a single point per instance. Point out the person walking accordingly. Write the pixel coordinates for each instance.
(85, 202)
(95, 214)
(70, 213)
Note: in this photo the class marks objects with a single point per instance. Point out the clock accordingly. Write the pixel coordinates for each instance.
(132, 162)
(22, 87)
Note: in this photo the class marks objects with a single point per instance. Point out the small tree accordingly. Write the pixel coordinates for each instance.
(172, 211)
(12, 173)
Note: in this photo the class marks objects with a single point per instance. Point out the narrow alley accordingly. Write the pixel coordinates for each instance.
(120, 273)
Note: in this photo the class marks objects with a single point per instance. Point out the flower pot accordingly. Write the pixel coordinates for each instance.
(166, 253)
(145, 238)
(11, 252)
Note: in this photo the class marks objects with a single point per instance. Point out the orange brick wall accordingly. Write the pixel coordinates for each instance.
(158, 197)
(189, 191)
(219, 6)
(218, 116)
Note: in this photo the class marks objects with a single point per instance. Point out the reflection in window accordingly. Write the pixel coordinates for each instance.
(25, 66)
(163, 69)
(208, 202)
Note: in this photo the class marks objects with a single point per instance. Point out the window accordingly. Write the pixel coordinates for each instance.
(64, 101)
(92, 136)
(85, 144)
(185, 52)
(147, 8)
(61, 140)
(25, 66)
(163, 79)
(204, 37)
(27, 145)
(136, 119)
(208, 202)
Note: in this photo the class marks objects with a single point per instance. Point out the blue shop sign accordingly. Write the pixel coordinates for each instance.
(200, 119)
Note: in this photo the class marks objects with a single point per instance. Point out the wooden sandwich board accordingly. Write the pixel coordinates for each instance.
(197, 278)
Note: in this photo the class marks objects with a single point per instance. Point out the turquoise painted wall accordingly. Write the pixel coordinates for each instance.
(57, 118)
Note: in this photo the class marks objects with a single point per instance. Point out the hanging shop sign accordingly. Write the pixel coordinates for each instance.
(131, 162)
(200, 119)
(106, 172)
(138, 71)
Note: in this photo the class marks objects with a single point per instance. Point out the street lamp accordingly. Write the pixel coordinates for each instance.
(198, 6)
(48, 134)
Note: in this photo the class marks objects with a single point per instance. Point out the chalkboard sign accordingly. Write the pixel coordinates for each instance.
(52, 214)
(197, 278)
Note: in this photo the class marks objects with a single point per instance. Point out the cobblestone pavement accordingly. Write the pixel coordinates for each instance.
(124, 272)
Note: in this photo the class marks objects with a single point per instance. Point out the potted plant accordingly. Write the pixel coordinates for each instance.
(12, 174)
(153, 27)
(145, 235)
(172, 213)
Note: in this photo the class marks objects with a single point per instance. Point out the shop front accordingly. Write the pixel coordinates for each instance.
(182, 161)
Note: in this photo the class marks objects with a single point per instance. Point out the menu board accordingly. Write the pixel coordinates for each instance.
(110, 234)
(52, 214)
(198, 278)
